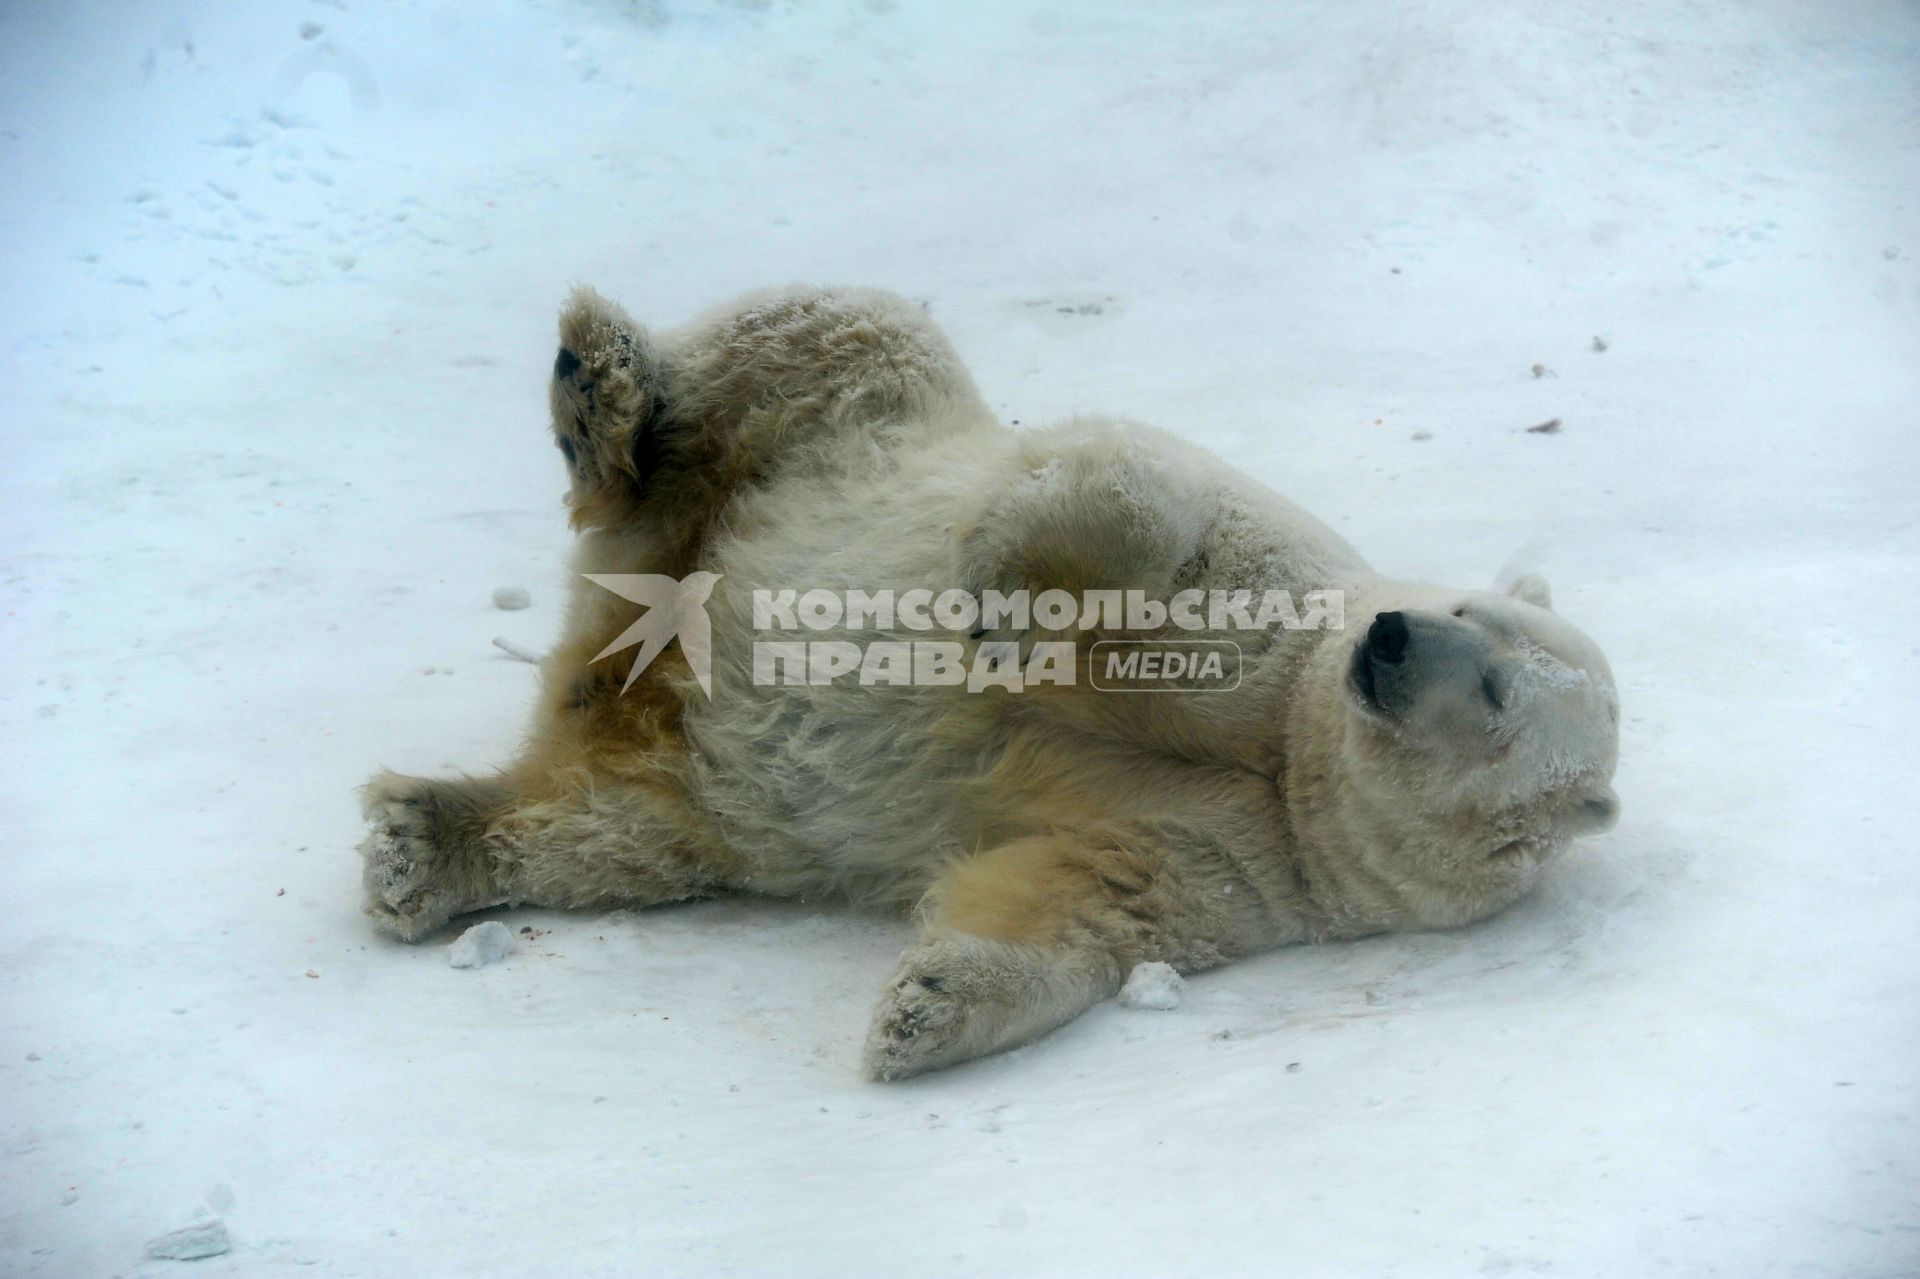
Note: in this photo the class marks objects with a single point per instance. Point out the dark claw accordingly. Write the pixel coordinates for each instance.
(565, 363)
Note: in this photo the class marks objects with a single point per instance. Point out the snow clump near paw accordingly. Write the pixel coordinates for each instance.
(1154, 986)
(512, 598)
(483, 944)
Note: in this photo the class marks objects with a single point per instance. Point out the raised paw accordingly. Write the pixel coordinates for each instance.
(422, 865)
(605, 394)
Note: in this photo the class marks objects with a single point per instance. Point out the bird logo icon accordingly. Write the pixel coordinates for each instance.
(674, 608)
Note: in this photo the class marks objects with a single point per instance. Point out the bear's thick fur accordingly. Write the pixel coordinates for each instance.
(1413, 770)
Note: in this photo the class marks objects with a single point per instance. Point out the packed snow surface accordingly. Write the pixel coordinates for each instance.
(279, 285)
(480, 945)
(1152, 986)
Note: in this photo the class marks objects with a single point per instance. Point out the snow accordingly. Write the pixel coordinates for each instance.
(1152, 986)
(279, 289)
(511, 598)
(480, 945)
(518, 652)
(192, 1243)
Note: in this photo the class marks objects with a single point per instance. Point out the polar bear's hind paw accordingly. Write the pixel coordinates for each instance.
(415, 877)
(605, 392)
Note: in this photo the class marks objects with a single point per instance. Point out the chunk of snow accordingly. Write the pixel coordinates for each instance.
(202, 1239)
(514, 650)
(511, 597)
(483, 944)
(1154, 986)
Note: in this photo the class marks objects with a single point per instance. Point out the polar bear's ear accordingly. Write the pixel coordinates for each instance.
(1532, 589)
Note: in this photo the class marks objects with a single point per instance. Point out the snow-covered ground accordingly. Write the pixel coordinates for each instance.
(276, 305)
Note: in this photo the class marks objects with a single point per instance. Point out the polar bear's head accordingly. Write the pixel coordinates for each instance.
(1481, 734)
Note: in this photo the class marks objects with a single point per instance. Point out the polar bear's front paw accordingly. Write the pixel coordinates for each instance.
(961, 996)
(919, 1026)
(418, 873)
(958, 998)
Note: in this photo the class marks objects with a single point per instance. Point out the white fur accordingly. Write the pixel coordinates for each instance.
(1050, 840)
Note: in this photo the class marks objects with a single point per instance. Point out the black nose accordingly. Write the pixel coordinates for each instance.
(1387, 638)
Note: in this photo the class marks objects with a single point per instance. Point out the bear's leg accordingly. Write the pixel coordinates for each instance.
(609, 408)
(1097, 508)
(1026, 936)
(667, 426)
(425, 856)
(816, 361)
(442, 848)
(959, 997)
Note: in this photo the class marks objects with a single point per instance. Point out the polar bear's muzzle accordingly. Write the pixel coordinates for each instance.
(1405, 657)
(1385, 646)
(1491, 702)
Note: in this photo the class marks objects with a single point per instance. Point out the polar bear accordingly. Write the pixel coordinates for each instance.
(1414, 768)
